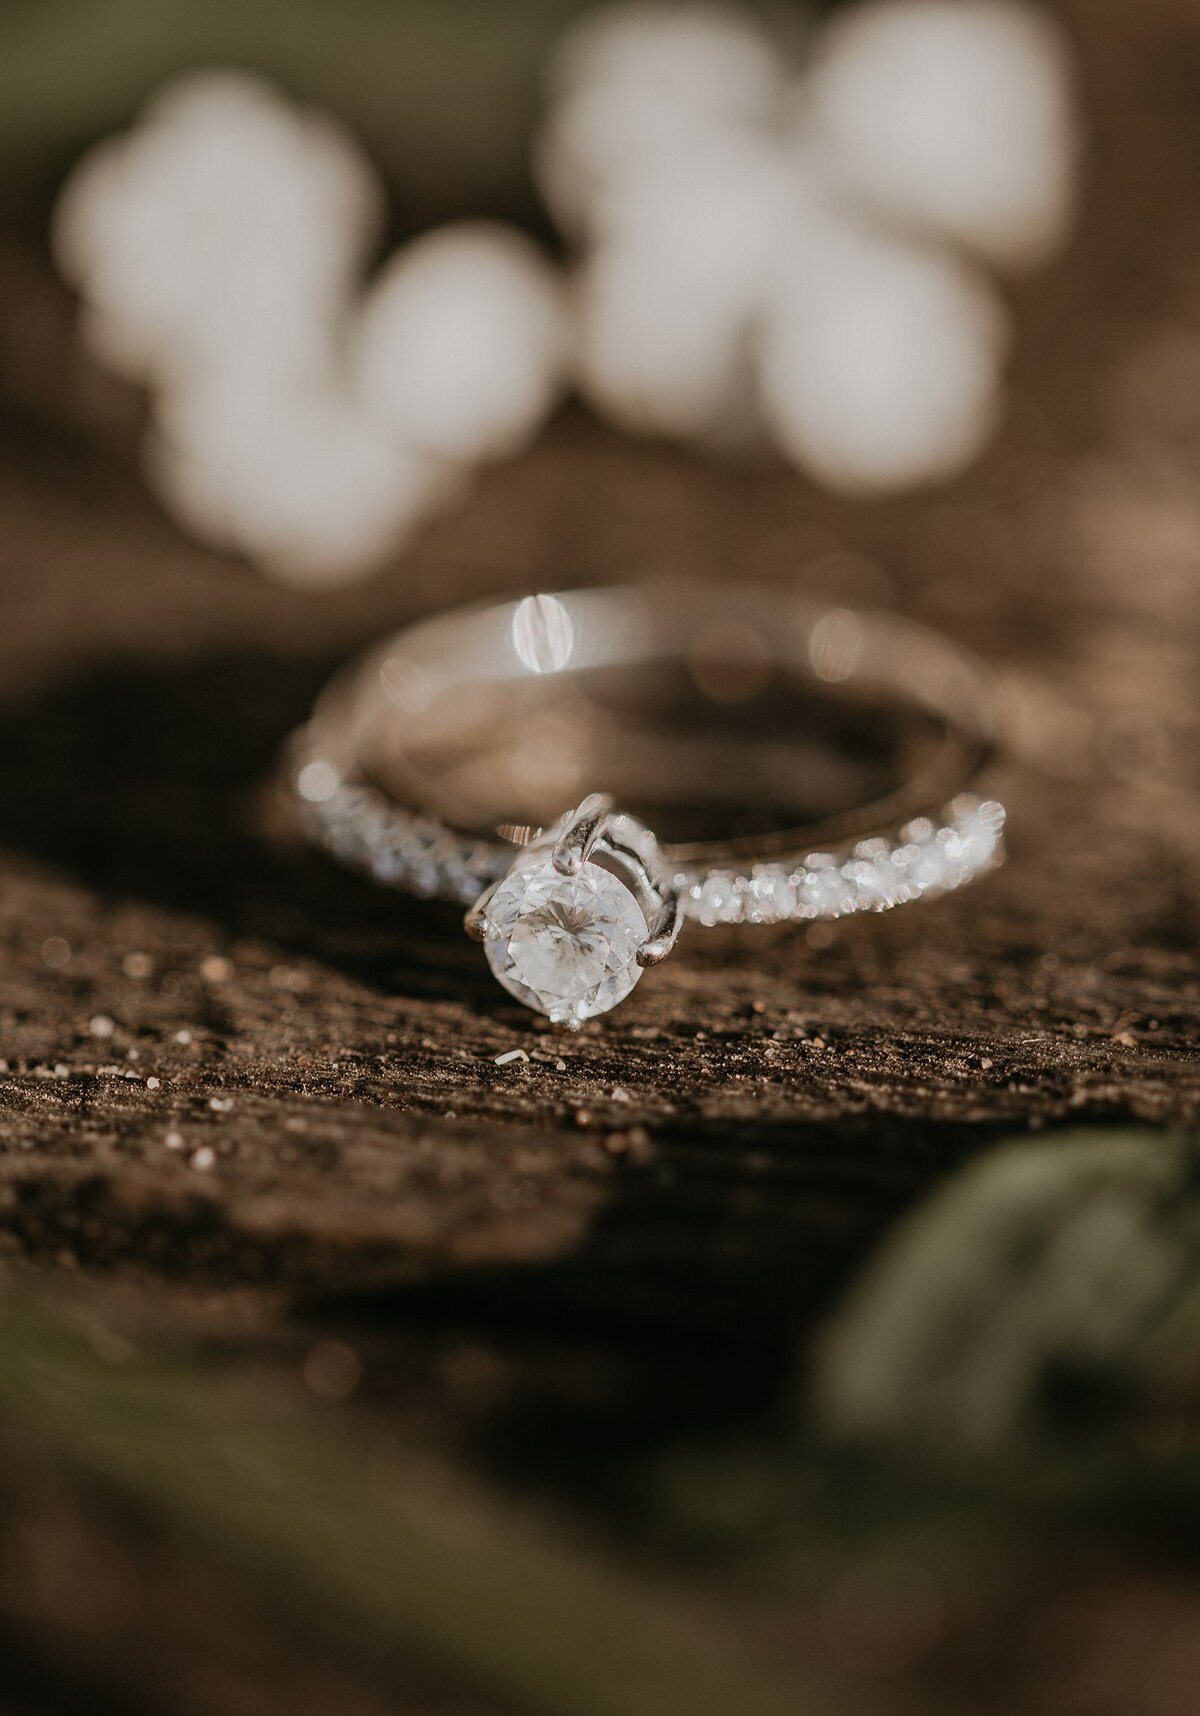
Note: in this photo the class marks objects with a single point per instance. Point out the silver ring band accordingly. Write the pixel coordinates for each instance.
(403, 770)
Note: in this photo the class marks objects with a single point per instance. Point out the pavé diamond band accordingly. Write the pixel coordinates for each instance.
(442, 761)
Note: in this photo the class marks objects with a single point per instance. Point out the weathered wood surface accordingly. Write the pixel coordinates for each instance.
(250, 1093)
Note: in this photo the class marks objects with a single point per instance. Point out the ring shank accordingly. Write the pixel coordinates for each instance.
(484, 669)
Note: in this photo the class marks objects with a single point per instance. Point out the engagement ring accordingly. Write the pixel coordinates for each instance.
(765, 758)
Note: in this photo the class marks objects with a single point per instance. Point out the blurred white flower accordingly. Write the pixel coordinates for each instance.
(765, 249)
(630, 80)
(780, 249)
(226, 224)
(462, 342)
(657, 354)
(957, 117)
(879, 360)
(218, 250)
(702, 57)
(301, 477)
(668, 299)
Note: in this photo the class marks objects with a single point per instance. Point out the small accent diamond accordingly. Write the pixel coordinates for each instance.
(824, 892)
(718, 902)
(770, 897)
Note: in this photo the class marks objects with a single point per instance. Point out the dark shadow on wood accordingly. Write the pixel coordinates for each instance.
(681, 1316)
(148, 783)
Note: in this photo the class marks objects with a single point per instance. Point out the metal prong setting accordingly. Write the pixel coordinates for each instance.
(583, 828)
(475, 922)
(664, 931)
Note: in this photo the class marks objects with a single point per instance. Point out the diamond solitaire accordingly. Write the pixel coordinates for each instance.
(579, 915)
(565, 945)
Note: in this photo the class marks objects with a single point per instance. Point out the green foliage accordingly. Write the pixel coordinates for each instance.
(1048, 1296)
(443, 91)
(1023, 1354)
(408, 1547)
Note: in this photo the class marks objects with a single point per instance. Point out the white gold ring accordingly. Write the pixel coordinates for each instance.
(441, 762)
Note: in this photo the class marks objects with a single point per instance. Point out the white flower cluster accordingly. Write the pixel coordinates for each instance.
(219, 249)
(802, 251)
(796, 249)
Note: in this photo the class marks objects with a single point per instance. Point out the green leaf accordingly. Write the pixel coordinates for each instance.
(1046, 1294)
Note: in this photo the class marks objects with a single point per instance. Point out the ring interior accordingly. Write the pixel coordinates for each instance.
(734, 720)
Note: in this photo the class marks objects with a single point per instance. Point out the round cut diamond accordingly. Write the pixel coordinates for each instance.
(564, 945)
